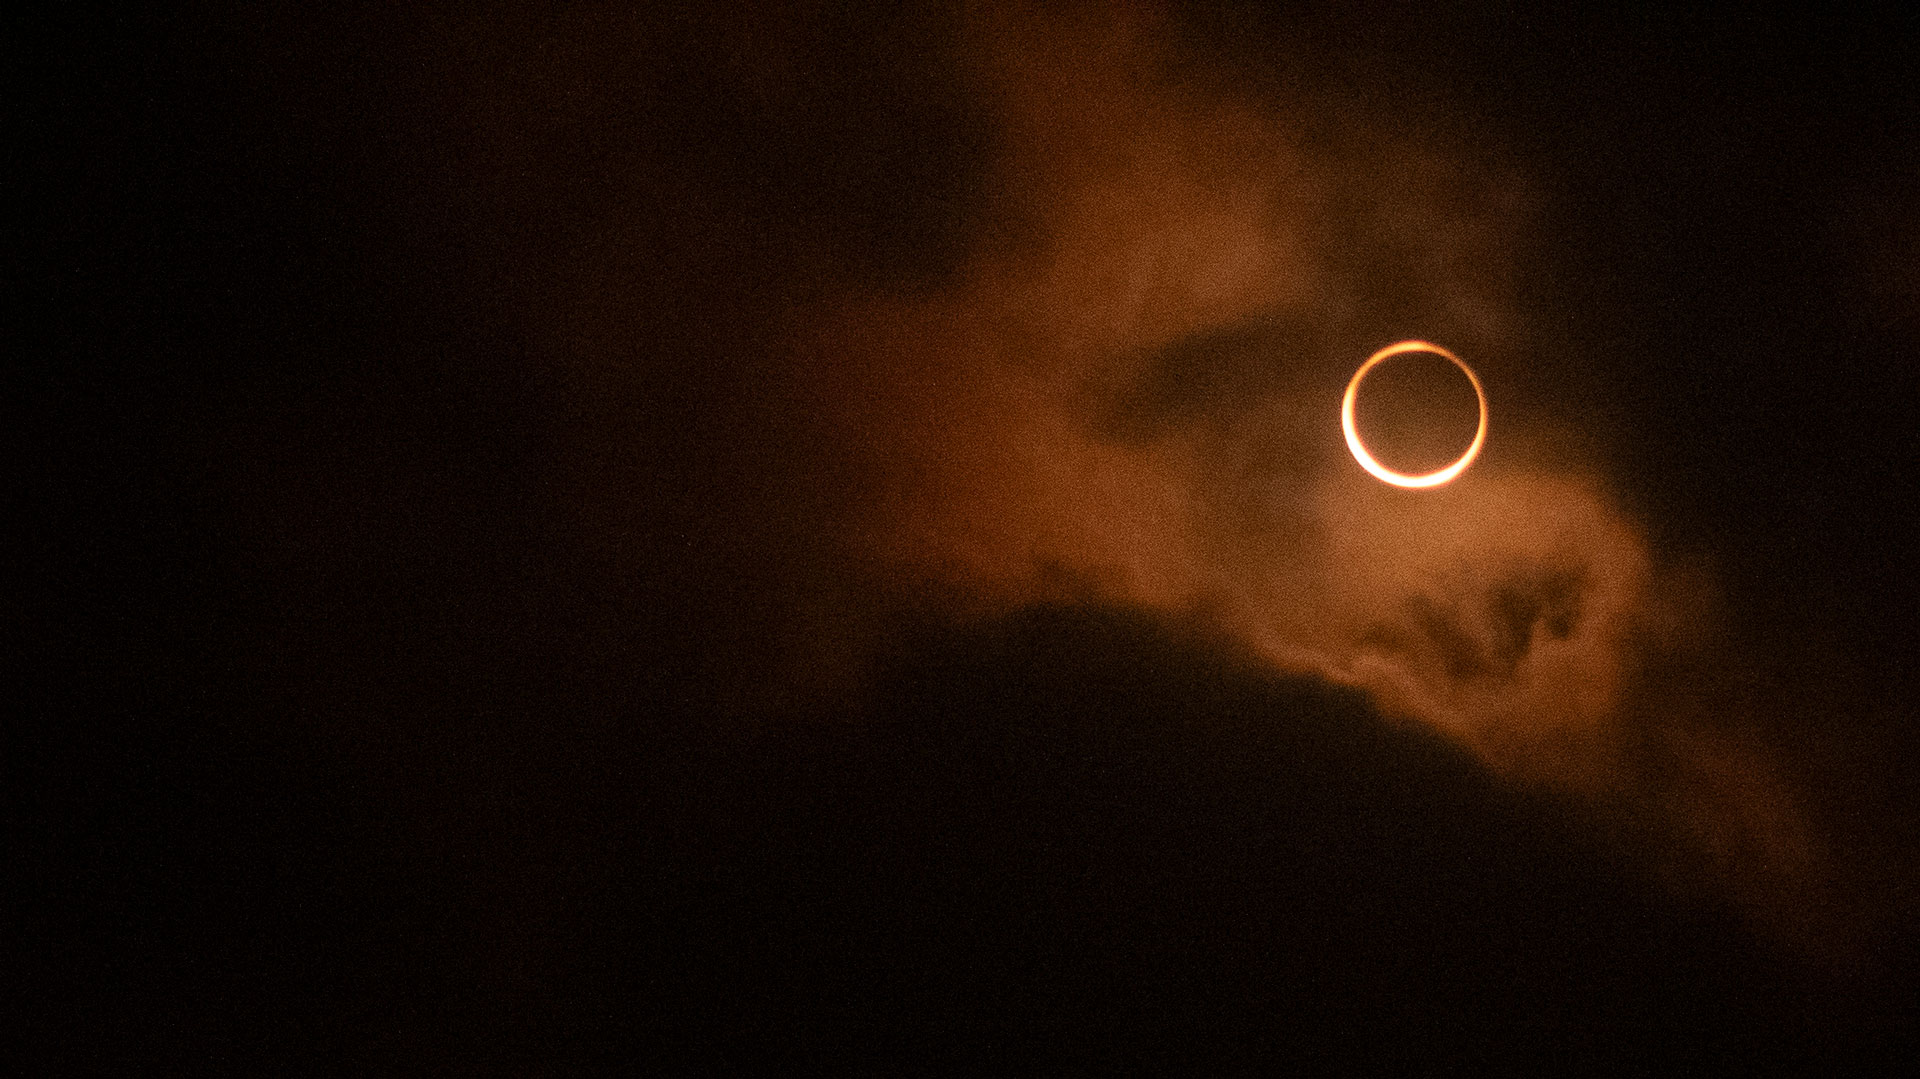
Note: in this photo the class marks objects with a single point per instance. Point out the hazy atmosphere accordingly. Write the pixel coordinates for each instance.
(824, 535)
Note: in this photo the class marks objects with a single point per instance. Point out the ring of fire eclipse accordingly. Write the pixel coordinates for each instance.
(1382, 472)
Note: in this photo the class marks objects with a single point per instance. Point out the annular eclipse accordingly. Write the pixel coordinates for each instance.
(1359, 449)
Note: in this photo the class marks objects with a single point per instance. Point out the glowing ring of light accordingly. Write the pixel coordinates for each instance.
(1382, 472)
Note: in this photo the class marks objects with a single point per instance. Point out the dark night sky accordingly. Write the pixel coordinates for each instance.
(526, 567)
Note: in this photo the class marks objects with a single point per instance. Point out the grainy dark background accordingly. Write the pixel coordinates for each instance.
(334, 749)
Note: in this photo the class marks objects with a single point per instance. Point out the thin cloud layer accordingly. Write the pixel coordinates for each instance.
(1129, 394)
(998, 309)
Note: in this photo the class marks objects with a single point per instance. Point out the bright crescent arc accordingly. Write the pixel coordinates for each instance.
(1382, 472)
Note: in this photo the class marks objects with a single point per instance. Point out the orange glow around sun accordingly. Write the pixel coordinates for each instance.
(1382, 472)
